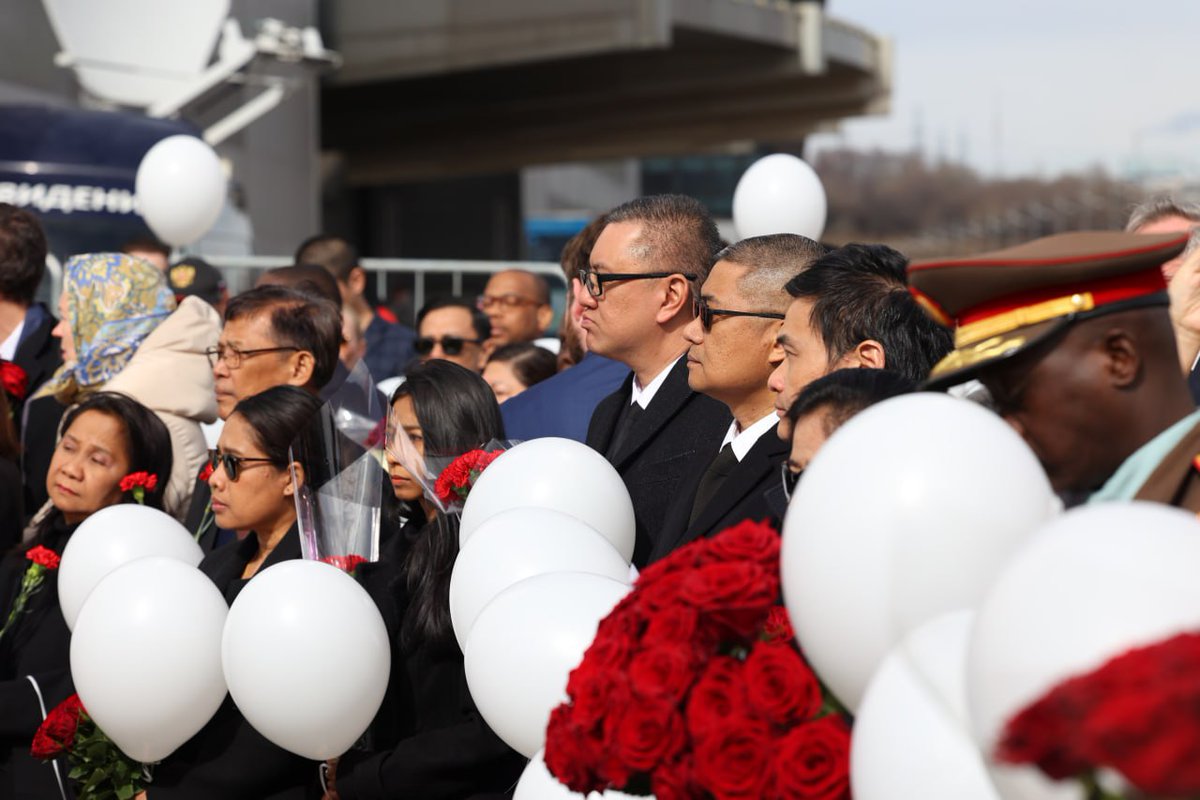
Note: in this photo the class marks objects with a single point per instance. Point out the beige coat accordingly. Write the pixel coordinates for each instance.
(170, 375)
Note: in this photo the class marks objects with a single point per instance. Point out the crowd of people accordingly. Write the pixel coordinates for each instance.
(708, 374)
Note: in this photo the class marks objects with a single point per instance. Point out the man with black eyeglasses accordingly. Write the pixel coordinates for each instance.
(637, 299)
(517, 304)
(273, 336)
(738, 310)
(452, 329)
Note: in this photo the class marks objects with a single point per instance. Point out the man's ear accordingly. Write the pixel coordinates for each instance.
(676, 296)
(1123, 362)
(303, 364)
(357, 280)
(867, 353)
(545, 315)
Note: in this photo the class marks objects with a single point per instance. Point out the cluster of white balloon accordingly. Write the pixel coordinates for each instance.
(546, 538)
(181, 188)
(155, 647)
(937, 588)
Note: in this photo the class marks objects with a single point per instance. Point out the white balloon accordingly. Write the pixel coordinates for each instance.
(112, 537)
(1097, 582)
(779, 193)
(146, 655)
(306, 656)
(906, 513)
(520, 543)
(524, 645)
(559, 474)
(180, 188)
(537, 783)
(911, 735)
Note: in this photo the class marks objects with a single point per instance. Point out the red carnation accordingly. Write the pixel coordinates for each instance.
(13, 379)
(347, 563)
(780, 686)
(813, 762)
(139, 479)
(43, 556)
(205, 473)
(456, 480)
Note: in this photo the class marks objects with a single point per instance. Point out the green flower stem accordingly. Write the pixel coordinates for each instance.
(31, 581)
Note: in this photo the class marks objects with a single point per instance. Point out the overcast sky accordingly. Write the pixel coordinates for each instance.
(1023, 87)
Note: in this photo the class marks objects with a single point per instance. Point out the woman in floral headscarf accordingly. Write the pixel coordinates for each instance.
(121, 332)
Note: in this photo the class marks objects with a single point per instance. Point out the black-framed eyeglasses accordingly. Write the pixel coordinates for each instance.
(594, 281)
(790, 479)
(701, 309)
(231, 464)
(233, 357)
(451, 345)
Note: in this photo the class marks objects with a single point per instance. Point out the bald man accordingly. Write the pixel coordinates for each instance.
(517, 303)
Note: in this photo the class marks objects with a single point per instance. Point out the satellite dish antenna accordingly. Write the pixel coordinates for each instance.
(136, 52)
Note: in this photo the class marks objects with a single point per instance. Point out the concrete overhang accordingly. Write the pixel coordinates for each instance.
(433, 89)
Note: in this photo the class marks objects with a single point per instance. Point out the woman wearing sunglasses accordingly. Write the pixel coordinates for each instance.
(252, 491)
(105, 438)
(429, 740)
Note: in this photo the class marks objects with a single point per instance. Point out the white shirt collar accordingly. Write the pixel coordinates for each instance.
(8, 348)
(643, 396)
(742, 441)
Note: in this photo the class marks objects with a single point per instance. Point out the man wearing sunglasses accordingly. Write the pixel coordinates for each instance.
(738, 310)
(273, 336)
(636, 301)
(452, 329)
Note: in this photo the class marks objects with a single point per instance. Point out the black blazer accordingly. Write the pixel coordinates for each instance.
(39, 437)
(37, 644)
(228, 758)
(38, 353)
(660, 451)
(742, 496)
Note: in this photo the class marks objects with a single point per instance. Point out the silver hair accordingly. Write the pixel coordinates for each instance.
(1158, 208)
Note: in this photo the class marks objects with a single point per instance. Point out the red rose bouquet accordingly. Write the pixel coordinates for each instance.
(348, 564)
(41, 561)
(455, 482)
(1138, 715)
(99, 769)
(138, 483)
(694, 688)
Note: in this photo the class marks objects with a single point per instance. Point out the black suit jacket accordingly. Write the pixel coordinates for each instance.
(38, 353)
(742, 496)
(660, 451)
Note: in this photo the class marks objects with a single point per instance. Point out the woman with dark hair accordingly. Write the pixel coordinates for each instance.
(429, 741)
(105, 438)
(515, 367)
(252, 491)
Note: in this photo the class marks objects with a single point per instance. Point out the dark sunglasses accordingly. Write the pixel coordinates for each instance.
(451, 345)
(230, 463)
(701, 309)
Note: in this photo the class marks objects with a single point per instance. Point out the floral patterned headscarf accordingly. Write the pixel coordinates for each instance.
(114, 301)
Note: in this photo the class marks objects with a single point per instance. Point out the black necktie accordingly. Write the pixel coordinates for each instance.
(633, 412)
(712, 479)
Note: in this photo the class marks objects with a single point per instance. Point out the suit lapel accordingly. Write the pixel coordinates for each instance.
(604, 418)
(667, 401)
(764, 457)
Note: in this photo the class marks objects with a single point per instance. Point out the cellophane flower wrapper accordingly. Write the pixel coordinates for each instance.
(340, 492)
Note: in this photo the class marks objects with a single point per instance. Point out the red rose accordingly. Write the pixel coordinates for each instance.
(679, 560)
(813, 762)
(735, 596)
(780, 686)
(664, 593)
(676, 623)
(650, 732)
(716, 699)
(56, 734)
(567, 754)
(747, 541)
(732, 762)
(13, 379)
(1044, 734)
(675, 780)
(44, 556)
(663, 672)
(597, 694)
(1151, 737)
